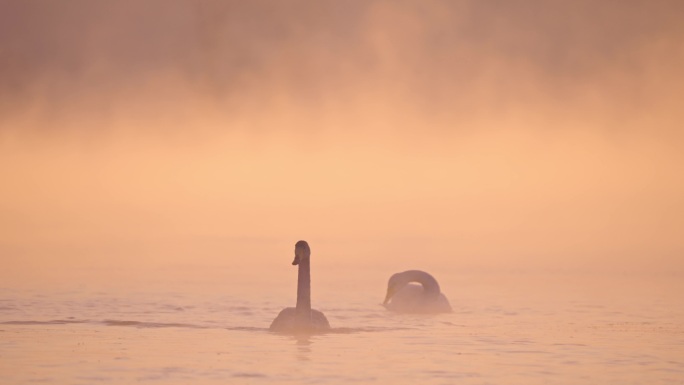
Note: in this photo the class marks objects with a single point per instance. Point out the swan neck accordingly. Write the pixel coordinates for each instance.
(430, 285)
(304, 287)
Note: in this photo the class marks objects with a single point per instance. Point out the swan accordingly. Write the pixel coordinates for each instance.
(405, 297)
(301, 318)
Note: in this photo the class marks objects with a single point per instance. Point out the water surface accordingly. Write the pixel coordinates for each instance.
(506, 329)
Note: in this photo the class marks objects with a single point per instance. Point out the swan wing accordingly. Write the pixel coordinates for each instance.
(411, 299)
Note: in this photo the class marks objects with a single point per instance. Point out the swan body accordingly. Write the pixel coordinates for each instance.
(302, 318)
(287, 321)
(405, 296)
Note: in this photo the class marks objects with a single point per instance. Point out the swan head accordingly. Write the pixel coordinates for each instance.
(302, 252)
(395, 283)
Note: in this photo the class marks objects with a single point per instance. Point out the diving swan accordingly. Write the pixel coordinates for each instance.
(301, 318)
(405, 297)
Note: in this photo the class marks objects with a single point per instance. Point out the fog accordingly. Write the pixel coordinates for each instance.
(445, 134)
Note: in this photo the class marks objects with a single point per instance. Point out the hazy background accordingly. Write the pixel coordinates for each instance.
(484, 135)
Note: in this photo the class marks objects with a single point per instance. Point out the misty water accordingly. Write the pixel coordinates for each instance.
(204, 325)
(159, 159)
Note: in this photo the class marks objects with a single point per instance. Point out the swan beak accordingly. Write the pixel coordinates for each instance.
(389, 295)
(296, 260)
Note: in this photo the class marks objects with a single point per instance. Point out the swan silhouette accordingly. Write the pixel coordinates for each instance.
(405, 297)
(303, 318)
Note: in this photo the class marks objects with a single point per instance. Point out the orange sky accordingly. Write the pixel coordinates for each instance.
(467, 133)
